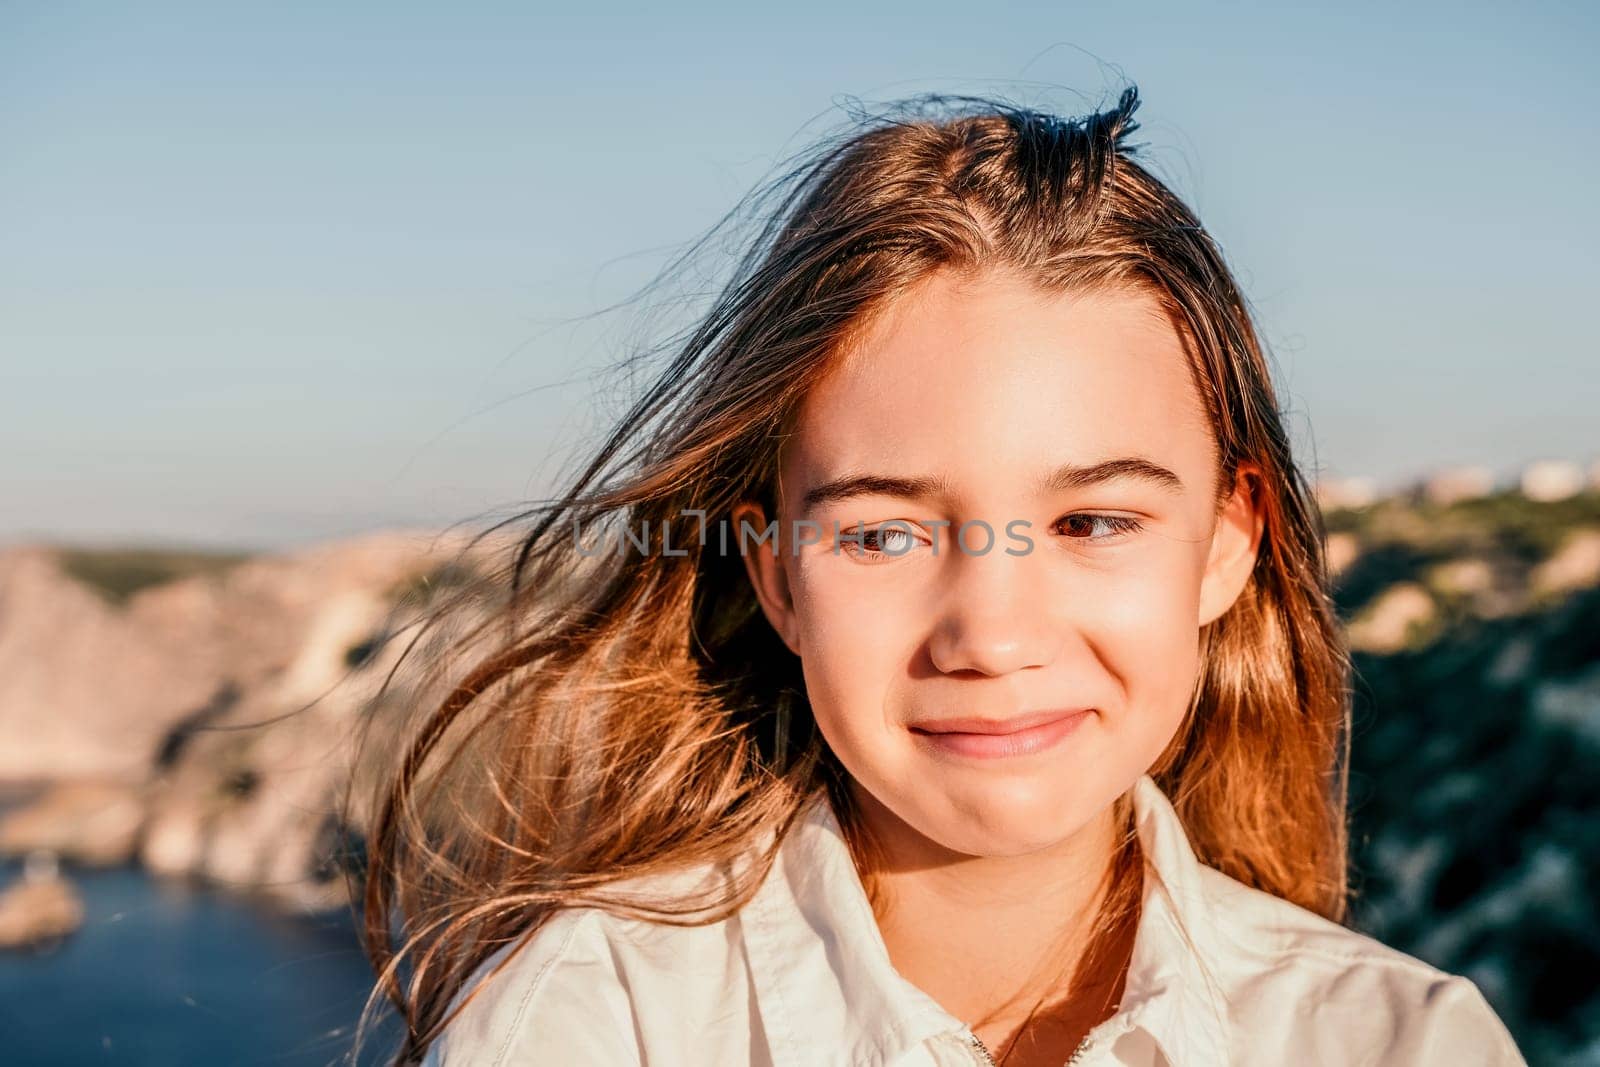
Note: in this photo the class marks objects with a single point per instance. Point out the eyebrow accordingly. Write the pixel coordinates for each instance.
(1065, 477)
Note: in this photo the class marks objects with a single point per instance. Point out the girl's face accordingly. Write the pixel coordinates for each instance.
(1065, 431)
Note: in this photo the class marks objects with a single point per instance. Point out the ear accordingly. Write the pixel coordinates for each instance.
(764, 565)
(1234, 544)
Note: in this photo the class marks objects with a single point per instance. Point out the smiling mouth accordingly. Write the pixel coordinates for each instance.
(994, 738)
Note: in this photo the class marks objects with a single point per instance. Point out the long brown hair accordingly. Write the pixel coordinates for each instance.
(631, 713)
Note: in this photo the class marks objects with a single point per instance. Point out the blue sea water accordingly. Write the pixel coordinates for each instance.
(170, 972)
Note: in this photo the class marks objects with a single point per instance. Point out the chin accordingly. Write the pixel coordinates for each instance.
(1009, 822)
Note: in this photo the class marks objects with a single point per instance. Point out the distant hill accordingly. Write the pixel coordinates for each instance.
(1475, 767)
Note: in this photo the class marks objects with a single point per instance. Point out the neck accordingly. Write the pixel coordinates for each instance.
(998, 939)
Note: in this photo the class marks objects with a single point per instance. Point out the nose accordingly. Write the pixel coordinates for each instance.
(996, 616)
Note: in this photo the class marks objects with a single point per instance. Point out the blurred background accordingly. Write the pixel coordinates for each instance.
(293, 298)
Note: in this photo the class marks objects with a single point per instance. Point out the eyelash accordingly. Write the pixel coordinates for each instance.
(1120, 524)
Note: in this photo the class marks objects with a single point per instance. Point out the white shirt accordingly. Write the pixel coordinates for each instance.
(800, 977)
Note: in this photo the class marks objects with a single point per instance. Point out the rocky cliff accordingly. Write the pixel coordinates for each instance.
(207, 724)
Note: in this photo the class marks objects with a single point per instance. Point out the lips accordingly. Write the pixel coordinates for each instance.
(987, 739)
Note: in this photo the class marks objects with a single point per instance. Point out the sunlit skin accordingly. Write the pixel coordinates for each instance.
(974, 391)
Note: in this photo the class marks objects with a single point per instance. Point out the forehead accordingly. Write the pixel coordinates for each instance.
(988, 380)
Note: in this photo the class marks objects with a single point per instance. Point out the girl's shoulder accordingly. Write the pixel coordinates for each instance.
(1283, 967)
(1255, 928)
(592, 986)
(1257, 971)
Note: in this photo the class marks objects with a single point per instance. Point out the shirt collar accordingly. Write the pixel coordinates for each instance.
(1171, 989)
(820, 966)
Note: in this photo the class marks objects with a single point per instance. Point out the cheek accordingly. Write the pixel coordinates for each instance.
(1145, 625)
(857, 637)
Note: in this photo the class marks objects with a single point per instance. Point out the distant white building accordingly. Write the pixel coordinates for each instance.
(1552, 479)
(1458, 483)
(1335, 493)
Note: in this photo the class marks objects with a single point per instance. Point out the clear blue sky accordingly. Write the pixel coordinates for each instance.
(277, 272)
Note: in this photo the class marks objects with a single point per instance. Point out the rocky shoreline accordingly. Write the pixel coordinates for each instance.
(209, 725)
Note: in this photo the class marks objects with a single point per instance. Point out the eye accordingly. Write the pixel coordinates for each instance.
(1083, 522)
(877, 543)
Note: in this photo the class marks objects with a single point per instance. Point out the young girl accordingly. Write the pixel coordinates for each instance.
(935, 667)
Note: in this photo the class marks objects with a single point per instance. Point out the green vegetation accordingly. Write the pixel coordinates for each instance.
(1504, 521)
(420, 589)
(1478, 559)
(118, 573)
